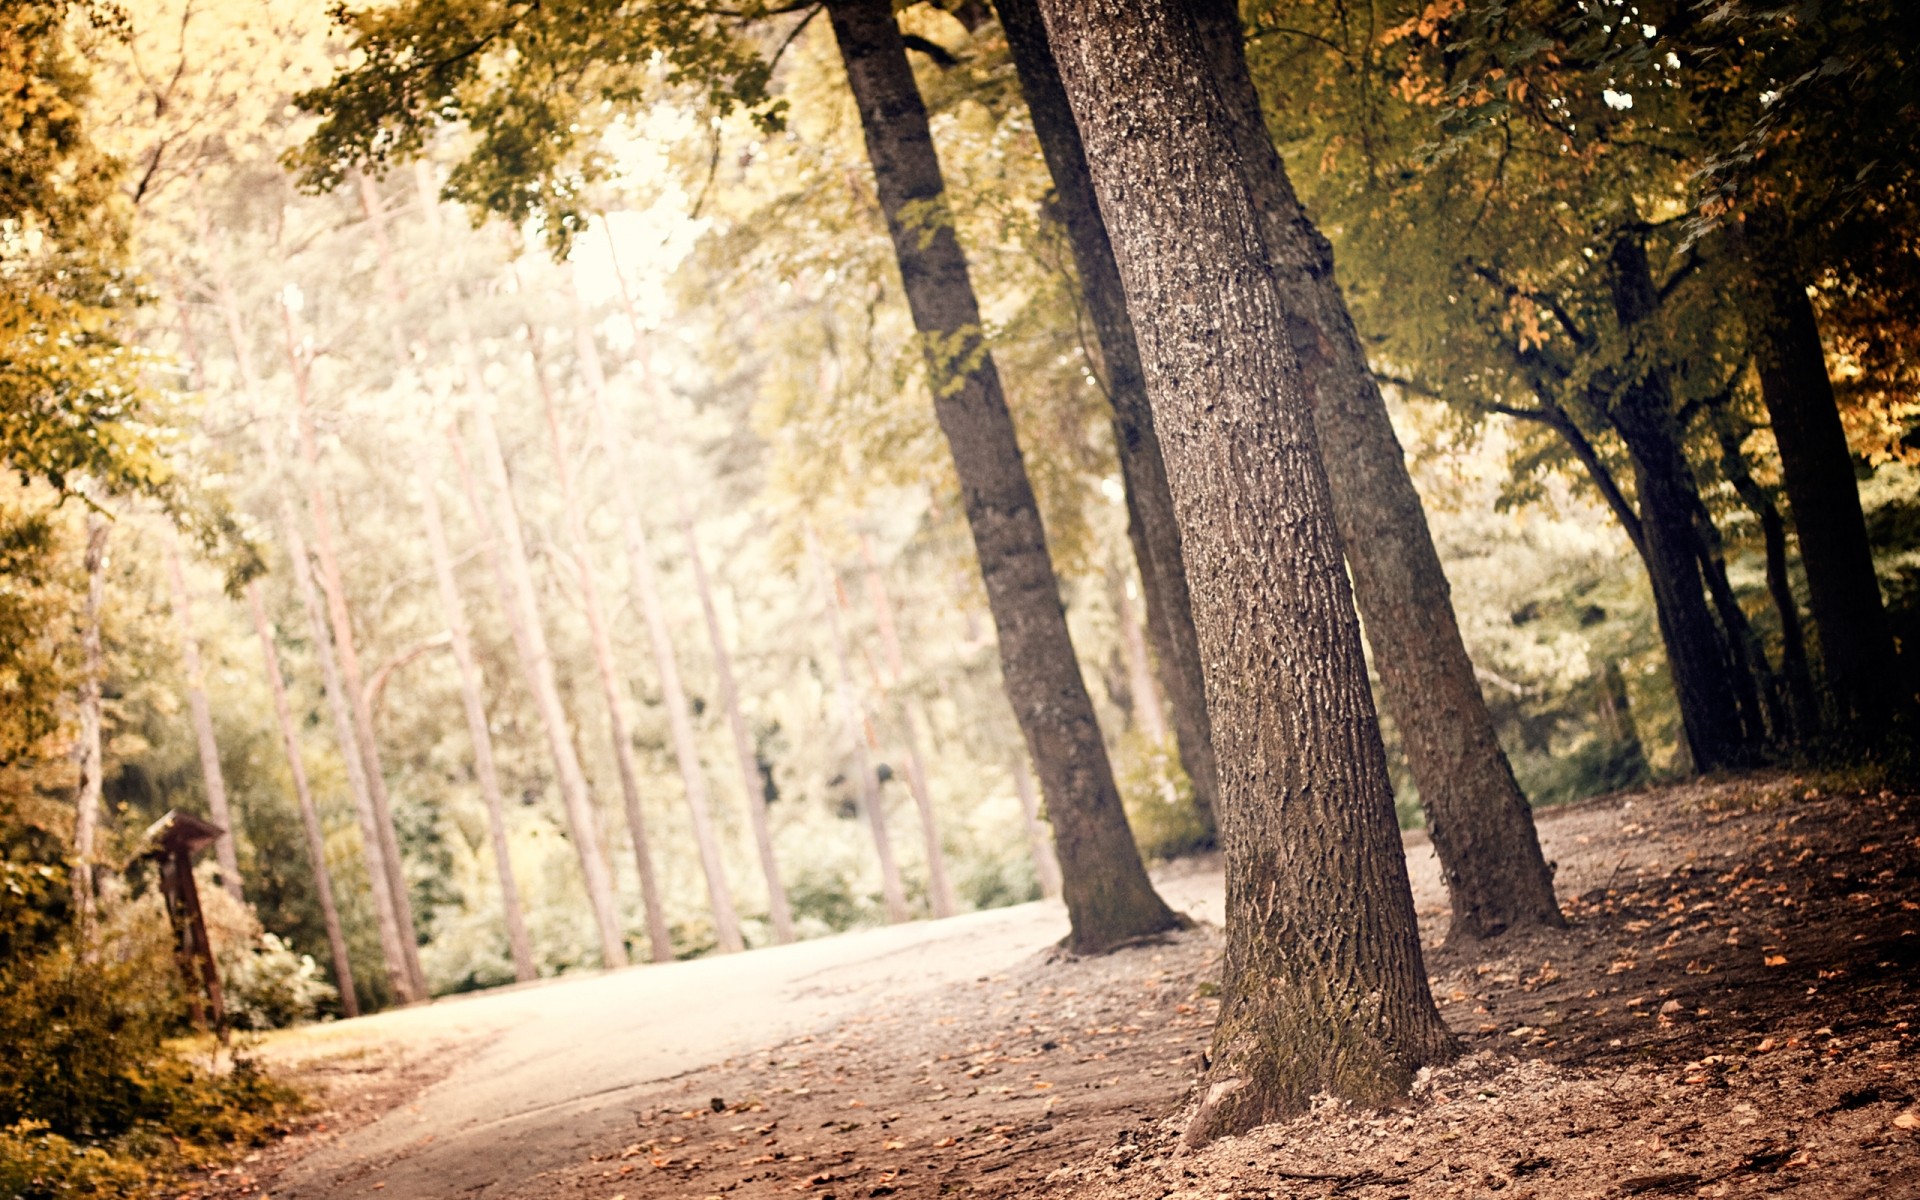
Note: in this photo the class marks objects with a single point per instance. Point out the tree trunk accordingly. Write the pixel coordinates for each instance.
(1109, 898)
(939, 888)
(1324, 984)
(1151, 527)
(472, 698)
(1643, 416)
(522, 604)
(1616, 708)
(1857, 648)
(209, 746)
(673, 696)
(309, 815)
(871, 800)
(1481, 823)
(86, 801)
(1046, 867)
(1747, 659)
(1147, 715)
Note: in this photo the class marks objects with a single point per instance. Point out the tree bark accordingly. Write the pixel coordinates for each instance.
(86, 801)
(871, 801)
(479, 731)
(673, 696)
(1151, 527)
(1109, 898)
(1857, 649)
(522, 603)
(1480, 822)
(1046, 867)
(1324, 984)
(939, 887)
(202, 716)
(309, 814)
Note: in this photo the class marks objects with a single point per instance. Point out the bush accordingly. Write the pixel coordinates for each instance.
(1158, 799)
(37, 1164)
(265, 984)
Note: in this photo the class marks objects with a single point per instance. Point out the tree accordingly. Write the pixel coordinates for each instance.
(1324, 988)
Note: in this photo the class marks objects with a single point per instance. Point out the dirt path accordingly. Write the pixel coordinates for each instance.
(1728, 1015)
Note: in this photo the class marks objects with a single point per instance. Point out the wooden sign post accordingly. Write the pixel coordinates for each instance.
(173, 841)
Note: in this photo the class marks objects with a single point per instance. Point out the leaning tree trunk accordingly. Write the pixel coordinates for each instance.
(522, 604)
(871, 800)
(1151, 526)
(1324, 985)
(86, 802)
(202, 716)
(1843, 590)
(1481, 823)
(673, 696)
(1109, 898)
(309, 815)
(472, 698)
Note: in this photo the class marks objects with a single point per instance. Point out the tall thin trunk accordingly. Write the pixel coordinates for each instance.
(1151, 526)
(1616, 708)
(779, 911)
(855, 720)
(309, 815)
(1046, 867)
(86, 802)
(1747, 659)
(1147, 716)
(202, 716)
(940, 888)
(1109, 898)
(479, 731)
(522, 603)
(1324, 983)
(673, 696)
(340, 617)
(1857, 648)
(1480, 821)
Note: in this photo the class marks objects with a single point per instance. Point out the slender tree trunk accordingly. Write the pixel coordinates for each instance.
(515, 577)
(202, 715)
(1857, 648)
(1324, 984)
(779, 911)
(1046, 867)
(472, 691)
(86, 803)
(1747, 658)
(1109, 898)
(1151, 527)
(309, 815)
(1147, 716)
(940, 889)
(686, 748)
(1644, 417)
(1481, 823)
(871, 800)
(1616, 707)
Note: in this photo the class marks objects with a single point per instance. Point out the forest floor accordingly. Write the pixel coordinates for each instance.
(1730, 1013)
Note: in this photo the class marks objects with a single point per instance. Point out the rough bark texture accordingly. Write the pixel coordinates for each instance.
(1151, 527)
(86, 801)
(473, 700)
(202, 715)
(1843, 590)
(309, 815)
(673, 695)
(530, 638)
(1109, 898)
(939, 887)
(1046, 866)
(1481, 823)
(1324, 987)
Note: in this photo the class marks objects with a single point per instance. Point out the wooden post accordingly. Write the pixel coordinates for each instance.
(173, 841)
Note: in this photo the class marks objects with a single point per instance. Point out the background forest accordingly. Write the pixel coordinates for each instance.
(433, 555)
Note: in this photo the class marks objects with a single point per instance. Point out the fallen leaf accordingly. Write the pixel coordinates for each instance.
(1907, 1120)
(1776, 960)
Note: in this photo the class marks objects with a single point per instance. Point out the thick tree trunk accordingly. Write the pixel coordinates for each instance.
(868, 783)
(309, 814)
(939, 887)
(1843, 590)
(1669, 498)
(673, 696)
(1151, 527)
(1046, 867)
(1147, 714)
(1481, 823)
(1324, 985)
(472, 698)
(522, 604)
(86, 800)
(202, 716)
(1109, 898)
